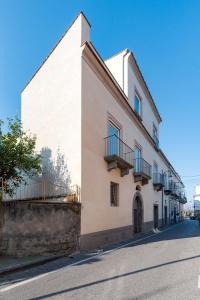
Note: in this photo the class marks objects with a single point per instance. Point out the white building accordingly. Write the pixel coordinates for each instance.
(104, 120)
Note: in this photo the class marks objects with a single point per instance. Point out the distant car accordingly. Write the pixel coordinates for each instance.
(192, 217)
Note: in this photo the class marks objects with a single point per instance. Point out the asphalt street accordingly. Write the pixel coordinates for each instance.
(162, 266)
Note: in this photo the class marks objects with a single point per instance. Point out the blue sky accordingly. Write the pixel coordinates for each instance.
(163, 35)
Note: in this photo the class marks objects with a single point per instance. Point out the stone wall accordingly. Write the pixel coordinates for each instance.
(39, 228)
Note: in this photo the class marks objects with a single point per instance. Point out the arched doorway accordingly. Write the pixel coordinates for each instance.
(137, 213)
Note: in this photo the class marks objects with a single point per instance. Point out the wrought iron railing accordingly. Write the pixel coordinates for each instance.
(142, 166)
(41, 190)
(182, 197)
(180, 194)
(175, 189)
(158, 178)
(168, 184)
(114, 146)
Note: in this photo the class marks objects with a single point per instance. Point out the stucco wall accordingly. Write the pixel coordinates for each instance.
(67, 105)
(116, 66)
(51, 102)
(36, 228)
(97, 214)
(122, 69)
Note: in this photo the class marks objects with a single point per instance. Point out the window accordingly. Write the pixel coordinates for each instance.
(114, 194)
(137, 155)
(155, 172)
(113, 130)
(155, 135)
(137, 105)
(155, 168)
(113, 147)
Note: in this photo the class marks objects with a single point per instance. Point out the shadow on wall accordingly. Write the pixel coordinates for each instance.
(55, 171)
(53, 182)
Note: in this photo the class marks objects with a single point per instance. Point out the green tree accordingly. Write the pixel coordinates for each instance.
(18, 159)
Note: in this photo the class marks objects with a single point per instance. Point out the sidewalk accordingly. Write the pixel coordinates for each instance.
(12, 264)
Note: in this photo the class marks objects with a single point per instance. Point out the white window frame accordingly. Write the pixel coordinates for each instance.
(140, 103)
(155, 129)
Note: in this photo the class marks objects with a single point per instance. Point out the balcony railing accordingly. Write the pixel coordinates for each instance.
(182, 198)
(168, 188)
(175, 190)
(118, 154)
(142, 170)
(158, 181)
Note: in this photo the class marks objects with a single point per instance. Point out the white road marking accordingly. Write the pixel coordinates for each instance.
(12, 286)
(23, 282)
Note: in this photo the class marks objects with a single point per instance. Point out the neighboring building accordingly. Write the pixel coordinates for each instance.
(104, 120)
(197, 200)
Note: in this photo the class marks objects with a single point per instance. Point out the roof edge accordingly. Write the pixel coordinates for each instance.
(118, 53)
(81, 13)
(54, 47)
(146, 86)
(126, 50)
(92, 48)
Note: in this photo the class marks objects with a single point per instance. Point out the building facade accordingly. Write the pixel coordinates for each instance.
(102, 117)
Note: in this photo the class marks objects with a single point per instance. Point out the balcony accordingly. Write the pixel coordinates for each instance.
(168, 188)
(175, 190)
(158, 181)
(118, 155)
(183, 199)
(142, 171)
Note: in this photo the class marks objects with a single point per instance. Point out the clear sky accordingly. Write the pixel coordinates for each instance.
(164, 35)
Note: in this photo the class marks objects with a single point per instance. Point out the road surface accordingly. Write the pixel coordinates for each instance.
(161, 266)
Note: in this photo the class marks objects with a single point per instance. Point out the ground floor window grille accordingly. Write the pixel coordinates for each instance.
(114, 194)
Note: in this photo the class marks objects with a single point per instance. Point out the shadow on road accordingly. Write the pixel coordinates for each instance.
(114, 278)
(188, 229)
(184, 230)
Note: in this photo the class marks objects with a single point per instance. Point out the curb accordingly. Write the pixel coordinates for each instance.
(42, 261)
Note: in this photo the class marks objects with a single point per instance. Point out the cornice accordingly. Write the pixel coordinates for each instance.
(109, 81)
